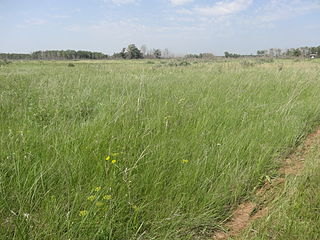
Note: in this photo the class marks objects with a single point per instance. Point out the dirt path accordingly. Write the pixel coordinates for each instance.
(249, 211)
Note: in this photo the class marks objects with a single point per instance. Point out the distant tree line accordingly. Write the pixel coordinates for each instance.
(15, 56)
(54, 55)
(133, 52)
(292, 52)
(284, 53)
(130, 52)
(201, 55)
(232, 55)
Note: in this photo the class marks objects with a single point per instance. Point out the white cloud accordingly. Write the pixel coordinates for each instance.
(35, 21)
(61, 16)
(32, 22)
(120, 2)
(184, 11)
(224, 8)
(180, 2)
(73, 28)
(277, 10)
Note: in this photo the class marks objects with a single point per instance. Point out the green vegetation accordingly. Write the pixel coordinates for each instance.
(127, 150)
(292, 52)
(54, 55)
(4, 62)
(294, 213)
(133, 52)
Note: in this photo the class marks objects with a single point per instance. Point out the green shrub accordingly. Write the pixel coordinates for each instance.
(184, 63)
(246, 63)
(4, 62)
(265, 60)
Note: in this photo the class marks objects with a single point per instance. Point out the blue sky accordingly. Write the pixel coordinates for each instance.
(182, 26)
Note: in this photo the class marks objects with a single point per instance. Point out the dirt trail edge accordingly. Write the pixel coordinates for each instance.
(249, 211)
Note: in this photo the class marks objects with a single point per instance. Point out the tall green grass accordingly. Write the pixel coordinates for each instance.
(294, 212)
(230, 121)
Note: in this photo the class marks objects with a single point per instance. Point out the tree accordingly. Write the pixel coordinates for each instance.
(261, 52)
(278, 52)
(157, 53)
(231, 55)
(143, 49)
(206, 55)
(201, 55)
(166, 53)
(304, 51)
(272, 52)
(123, 53)
(297, 52)
(133, 52)
(191, 56)
(289, 52)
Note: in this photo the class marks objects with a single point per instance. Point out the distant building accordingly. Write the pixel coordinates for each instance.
(313, 55)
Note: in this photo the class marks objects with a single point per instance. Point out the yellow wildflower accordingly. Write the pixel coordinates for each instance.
(91, 198)
(99, 204)
(185, 161)
(107, 158)
(83, 213)
(107, 197)
(113, 161)
(97, 189)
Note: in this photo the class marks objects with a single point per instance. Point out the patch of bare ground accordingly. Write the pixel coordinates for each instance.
(249, 211)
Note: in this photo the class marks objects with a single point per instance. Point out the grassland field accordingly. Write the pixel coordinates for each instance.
(160, 149)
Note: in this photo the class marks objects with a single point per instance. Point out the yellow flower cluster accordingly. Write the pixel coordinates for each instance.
(107, 197)
(83, 213)
(185, 161)
(95, 198)
(91, 198)
(114, 155)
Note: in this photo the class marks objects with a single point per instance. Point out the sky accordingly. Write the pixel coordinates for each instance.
(182, 26)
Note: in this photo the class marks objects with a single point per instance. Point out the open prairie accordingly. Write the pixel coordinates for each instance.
(142, 149)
